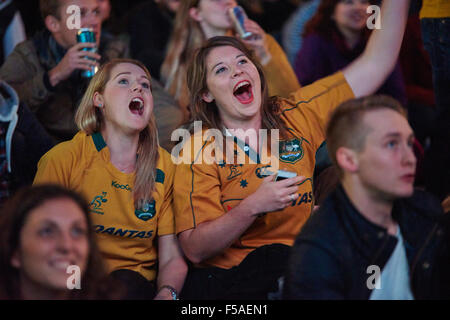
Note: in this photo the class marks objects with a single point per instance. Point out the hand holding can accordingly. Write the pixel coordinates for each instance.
(87, 35)
(238, 16)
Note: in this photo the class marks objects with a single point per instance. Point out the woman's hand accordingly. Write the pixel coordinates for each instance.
(164, 294)
(258, 41)
(274, 195)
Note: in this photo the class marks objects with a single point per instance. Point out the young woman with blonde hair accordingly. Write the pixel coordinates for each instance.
(116, 162)
(199, 20)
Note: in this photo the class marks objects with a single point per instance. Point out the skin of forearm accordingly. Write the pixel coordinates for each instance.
(212, 237)
(385, 44)
(173, 273)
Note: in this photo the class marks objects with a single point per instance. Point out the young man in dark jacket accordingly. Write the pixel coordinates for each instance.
(375, 237)
(46, 70)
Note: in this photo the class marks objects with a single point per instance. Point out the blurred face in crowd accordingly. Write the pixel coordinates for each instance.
(386, 166)
(213, 15)
(172, 5)
(105, 9)
(127, 100)
(89, 18)
(234, 84)
(54, 236)
(351, 14)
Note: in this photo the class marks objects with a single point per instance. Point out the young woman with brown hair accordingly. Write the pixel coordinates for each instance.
(234, 222)
(199, 20)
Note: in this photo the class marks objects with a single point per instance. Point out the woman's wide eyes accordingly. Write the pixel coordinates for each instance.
(220, 70)
(145, 85)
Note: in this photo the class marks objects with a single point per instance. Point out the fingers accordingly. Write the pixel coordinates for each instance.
(291, 198)
(291, 181)
(82, 45)
(250, 24)
(89, 54)
(270, 178)
(84, 61)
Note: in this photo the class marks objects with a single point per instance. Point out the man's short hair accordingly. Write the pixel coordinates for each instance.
(346, 127)
(50, 8)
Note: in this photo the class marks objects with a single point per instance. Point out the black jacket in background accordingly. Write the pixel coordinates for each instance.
(331, 255)
(29, 143)
(150, 28)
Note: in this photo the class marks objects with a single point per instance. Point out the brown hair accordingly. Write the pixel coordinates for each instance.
(12, 219)
(208, 112)
(346, 127)
(90, 120)
(323, 23)
(50, 8)
(187, 36)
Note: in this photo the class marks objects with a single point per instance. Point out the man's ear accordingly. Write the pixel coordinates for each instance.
(195, 14)
(98, 100)
(207, 97)
(347, 159)
(52, 24)
(15, 261)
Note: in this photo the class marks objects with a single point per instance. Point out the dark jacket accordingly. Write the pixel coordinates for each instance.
(26, 140)
(321, 56)
(331, 255)
(150, 26)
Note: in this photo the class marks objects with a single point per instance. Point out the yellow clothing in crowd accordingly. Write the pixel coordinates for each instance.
(204, 192)
(126, 236)
(435, 9)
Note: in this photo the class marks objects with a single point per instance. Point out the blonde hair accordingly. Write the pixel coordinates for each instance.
(89, 119)
(187, 36)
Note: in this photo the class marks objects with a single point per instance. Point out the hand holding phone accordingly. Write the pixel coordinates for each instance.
(283, 174)
(238, 17)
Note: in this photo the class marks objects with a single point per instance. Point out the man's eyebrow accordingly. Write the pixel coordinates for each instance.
(392, 134)
(396, 134)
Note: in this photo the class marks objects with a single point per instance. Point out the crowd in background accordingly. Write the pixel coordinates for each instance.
(46, 129)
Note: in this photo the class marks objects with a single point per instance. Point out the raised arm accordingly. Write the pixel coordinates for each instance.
(366, 74)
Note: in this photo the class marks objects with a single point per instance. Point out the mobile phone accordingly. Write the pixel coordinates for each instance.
(238, 17)
(282, 174)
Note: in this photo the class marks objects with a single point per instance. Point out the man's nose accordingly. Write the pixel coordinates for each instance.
(409, 157)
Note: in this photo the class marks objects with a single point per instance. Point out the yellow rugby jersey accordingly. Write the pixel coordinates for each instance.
(204, 192)
(126, 236)
(435, 9)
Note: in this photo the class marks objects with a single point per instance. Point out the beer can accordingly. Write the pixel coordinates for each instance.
(85, 35)
(238, 17)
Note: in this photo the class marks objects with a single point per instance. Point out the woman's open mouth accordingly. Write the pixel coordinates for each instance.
(137, 106)
(243, 92)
